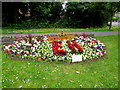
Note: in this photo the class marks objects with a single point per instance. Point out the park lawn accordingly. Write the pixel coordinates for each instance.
(55, 30)
(0, 68)
(102, 73)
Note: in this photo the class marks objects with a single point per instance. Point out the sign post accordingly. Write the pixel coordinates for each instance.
(76, 58)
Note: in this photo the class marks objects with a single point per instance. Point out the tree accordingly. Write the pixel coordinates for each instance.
(51, 14)
(45, 12)
(112, 7)
(10, 12)
(42, 13)
(75, 14)
(56, 10)
(87, 14)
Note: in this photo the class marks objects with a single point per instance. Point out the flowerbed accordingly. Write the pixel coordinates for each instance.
(62, 50)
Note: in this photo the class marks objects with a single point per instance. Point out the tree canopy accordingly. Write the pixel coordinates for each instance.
(52, 14)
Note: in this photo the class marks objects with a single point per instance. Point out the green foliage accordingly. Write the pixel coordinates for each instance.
(43, 24)
(87, 14)
(51, 14)
(115, 18)
(112, 8)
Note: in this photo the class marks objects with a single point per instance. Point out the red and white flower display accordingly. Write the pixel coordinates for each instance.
(42, 49)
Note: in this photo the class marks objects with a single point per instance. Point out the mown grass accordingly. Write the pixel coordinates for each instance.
(99, 74)
(0, 68)
(55, 30)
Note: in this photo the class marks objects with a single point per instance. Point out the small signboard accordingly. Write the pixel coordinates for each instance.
(55, 38)
(76, 58)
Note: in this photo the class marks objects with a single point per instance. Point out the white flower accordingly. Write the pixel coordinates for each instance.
(105, 52)
(81, 37)
(33, 49)
(27, 44)
(77, 72)
(55, 57)
(77, 41)
(9, 46)
(45, 48)
(27, 52)
(20, 86)
(80, 85)
(82, 43)
(25, 55)
(35, 45)
(33, 39)
(44, 86)
(18, 45)
(84, 58)
(45, 38)
(6, 47)
(28, 63)
(18, 52)
(16, 42)
(16, 77)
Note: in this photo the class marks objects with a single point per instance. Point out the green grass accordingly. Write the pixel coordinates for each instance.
(55, 30)
(99, 74)
(0, 69)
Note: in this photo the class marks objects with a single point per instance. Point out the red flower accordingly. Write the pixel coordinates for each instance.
(25, 52)
(39, 37)
(3, 46)
(93, 40)
(31, 45)
(19, 54)
(26, 41)
(8, 43)
(13, 44)
(73, 45)
(41, 40)
(7, 52)
(55, 46)
(102, 51)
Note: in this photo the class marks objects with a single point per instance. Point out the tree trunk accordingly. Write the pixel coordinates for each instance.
(110, 26)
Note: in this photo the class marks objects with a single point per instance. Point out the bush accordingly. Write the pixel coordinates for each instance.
(115, 18)
(43, 24)
(63, 23)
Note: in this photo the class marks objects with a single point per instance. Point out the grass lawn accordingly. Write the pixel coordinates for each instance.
(99, 74)
(55, 30)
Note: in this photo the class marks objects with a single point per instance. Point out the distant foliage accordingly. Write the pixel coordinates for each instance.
(51, 14)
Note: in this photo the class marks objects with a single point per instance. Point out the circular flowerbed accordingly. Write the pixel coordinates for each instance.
(62, 50)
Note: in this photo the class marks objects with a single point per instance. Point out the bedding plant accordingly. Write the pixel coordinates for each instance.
(40, 49)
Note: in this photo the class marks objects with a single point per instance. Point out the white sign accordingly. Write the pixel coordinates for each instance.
(76, 58)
